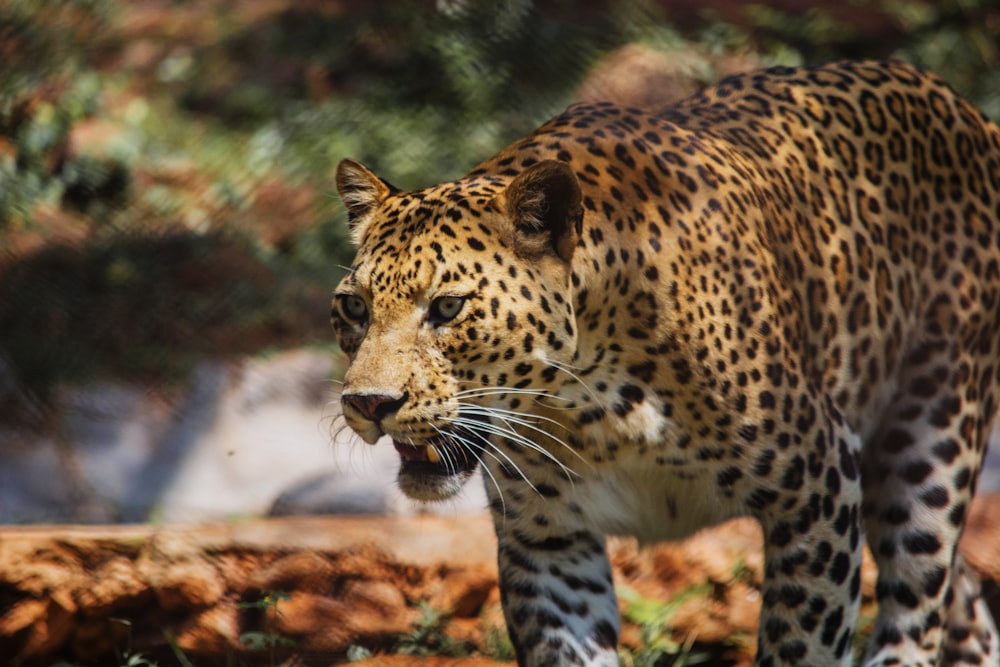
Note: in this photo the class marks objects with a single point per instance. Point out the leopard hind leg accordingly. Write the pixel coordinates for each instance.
(971, 637)
(918, 478)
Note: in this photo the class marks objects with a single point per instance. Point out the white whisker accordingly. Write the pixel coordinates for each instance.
(525, 420)
(508, 433)
(342, 435)
(492, 452)
(568, 370)
(472, 449)
(479, 392)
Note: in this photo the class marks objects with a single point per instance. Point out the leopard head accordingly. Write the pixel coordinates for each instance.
(455, 314)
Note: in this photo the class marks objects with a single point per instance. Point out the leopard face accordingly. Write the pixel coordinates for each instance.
(454, 312)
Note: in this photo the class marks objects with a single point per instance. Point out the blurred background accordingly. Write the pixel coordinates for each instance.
(170, 237)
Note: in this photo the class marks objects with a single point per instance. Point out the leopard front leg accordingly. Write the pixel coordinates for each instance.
(555, 583)
(811, 515)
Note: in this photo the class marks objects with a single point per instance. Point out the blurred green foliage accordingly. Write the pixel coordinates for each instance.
(165, 168)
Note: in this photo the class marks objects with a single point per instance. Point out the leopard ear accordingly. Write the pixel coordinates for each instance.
(544, 204)
(361, 191)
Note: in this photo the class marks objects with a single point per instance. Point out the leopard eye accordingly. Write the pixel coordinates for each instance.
(445, 308)
(353, 307)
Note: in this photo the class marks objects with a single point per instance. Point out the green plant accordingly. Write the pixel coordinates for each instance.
(428, 637)
(182, 659)
(128, 657)
(356, 653)
(498, 644)
(268, 639)
(743, 572)
(862, 634)
(659, 647)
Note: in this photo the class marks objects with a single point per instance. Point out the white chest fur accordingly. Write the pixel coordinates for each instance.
(634, 496)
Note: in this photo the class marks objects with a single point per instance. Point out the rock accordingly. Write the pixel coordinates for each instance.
(211, 632)
(43, 625)
(214, 590)
(317, 588)
(114, 583)
(461, 592)
(332, 493)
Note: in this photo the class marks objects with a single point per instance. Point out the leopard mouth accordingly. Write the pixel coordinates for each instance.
(442, 456)
(437, 469)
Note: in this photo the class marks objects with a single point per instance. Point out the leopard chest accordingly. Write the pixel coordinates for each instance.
(633, 495)
(634, 470)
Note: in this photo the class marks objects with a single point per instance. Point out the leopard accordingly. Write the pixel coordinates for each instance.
(778, 298)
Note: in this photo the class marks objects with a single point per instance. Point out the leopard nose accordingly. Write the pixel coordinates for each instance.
(375, 407)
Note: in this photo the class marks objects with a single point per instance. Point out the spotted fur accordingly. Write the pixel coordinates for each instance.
(778, 298)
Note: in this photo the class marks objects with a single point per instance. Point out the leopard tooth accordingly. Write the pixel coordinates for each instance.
(433, 455)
